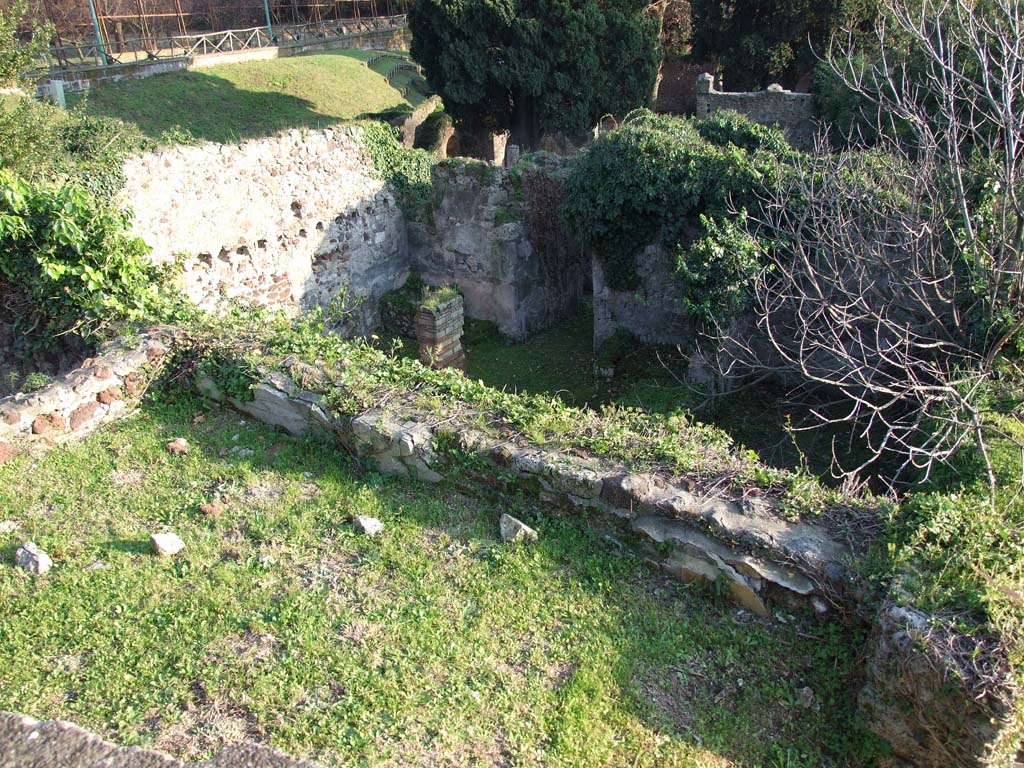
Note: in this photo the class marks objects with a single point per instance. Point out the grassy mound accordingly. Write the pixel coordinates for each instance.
(259, 98)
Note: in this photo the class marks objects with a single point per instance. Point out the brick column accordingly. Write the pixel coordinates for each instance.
(439, 333)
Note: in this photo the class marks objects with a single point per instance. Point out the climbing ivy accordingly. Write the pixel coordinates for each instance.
(406, 170)
(667, 180)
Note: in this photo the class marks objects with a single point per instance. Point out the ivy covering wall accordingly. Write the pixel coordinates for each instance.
(674, 181)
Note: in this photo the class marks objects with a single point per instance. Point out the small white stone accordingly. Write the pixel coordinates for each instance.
(515, 530)
(371, 526)
(167, 544)
(32, 559)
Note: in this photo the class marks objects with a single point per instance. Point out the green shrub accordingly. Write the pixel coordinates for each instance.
(656, 179)
(45, 144)
(729, 127)
(717, 270)
(18, 56)
(68, 263)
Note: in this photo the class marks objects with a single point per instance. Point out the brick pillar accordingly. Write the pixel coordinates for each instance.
(439, 333)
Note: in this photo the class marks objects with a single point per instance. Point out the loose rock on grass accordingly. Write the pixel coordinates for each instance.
(371, 526)
(513, 530)
(166, 544)
(32, 559)
(177, 447)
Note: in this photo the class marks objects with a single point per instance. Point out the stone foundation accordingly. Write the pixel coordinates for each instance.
(101, 390)
(29, 743)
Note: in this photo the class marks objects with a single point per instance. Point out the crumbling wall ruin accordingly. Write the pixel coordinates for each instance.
(792, 112)
(289, 222)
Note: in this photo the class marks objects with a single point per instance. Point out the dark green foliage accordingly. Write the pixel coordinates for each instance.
(43, 143)
(406, 170)
(68, 264)
(658, 175)
(432, 130)
(535, 66)
(729, 127)
(758, 42)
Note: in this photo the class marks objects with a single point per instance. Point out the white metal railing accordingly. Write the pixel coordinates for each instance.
(82, 55)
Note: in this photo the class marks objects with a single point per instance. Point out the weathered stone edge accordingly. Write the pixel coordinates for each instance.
(103, 389)
(29, 743)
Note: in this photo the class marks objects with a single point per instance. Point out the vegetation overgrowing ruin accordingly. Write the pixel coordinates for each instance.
(344, 591)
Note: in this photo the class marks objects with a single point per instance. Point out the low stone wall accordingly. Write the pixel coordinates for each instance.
(101, 390)
(936, 695)
(29, 743)
(477, 239)
(742, 542)
(932, 717)
(652, 312)
(792, 112)
(287, 222)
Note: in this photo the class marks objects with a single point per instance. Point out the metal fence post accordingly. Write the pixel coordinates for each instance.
(99, 34)
(270, 29)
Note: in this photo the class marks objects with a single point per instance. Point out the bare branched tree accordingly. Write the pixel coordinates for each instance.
(894, 276)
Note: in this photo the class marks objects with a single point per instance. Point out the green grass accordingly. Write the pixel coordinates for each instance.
(253, 99)
(432, 644)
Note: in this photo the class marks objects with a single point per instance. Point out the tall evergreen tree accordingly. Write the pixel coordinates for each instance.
(535, 66)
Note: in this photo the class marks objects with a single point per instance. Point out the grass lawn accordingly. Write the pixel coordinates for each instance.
(432, 644)
(252, 99)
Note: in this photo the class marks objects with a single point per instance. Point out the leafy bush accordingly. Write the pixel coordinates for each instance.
(729, 127)
(18, 55)
(406, 170)
(68, 263)
(43, 143)
(657, 178)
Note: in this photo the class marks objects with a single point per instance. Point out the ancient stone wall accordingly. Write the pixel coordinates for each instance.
(29, 743)
(477, 238)
(792, 112)
(287, 222)
(652, 312)
(676, 92)
(101, 390)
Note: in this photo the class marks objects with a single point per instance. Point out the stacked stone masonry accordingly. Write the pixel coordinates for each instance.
(439, 334)
(290, 222)
(792, 112)
(101, 390)
(476, 238)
